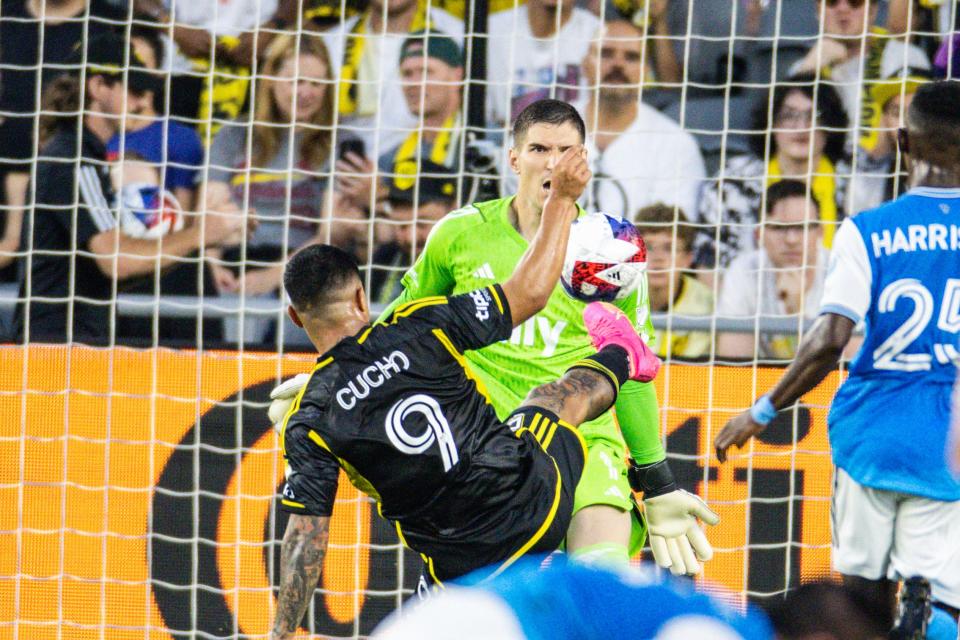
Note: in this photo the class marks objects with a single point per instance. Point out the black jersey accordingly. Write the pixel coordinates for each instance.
(397, 409)
(73, 196)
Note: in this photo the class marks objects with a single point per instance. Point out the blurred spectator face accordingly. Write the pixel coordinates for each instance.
(145, 51)
(619, 65)
(410, 234)
(430, 86)
(791, 233)
(665, 259)
(302, 77)
(794, 124)
(847, 17)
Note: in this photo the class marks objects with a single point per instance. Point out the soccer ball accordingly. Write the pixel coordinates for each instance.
(606, 258)
(146, 211)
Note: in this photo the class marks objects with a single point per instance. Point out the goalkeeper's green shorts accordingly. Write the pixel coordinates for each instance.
(604, 482)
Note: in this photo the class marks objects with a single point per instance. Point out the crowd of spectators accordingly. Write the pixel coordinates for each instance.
(173, 148)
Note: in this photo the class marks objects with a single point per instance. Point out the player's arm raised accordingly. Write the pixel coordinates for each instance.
(301, 559)
(538, 271)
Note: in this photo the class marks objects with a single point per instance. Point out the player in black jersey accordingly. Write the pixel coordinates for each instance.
(395, 407)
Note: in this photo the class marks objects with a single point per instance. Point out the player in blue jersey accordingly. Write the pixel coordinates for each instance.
(570, 601)
(896, 506)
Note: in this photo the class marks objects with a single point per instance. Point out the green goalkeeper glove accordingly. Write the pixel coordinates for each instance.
(672, 516)
(283, 396)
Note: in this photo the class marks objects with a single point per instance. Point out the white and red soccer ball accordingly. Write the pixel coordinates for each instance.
(147, 211)
(606, 258)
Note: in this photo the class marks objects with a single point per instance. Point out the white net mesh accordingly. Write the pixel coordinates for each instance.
(151, 197)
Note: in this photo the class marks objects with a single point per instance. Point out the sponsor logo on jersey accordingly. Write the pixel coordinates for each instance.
(485, 272)
(370, 378)
(527, 333)
(481, 298)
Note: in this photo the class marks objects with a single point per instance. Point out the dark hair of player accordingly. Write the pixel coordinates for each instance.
(315, 274)
(661, 218)
(554, 112)
(829, 609)
(933, 121)
(784, 189)
(830, 115)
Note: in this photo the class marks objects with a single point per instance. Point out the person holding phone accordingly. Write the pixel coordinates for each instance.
(431, 69)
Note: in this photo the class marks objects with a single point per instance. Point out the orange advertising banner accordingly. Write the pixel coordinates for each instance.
(138, 495)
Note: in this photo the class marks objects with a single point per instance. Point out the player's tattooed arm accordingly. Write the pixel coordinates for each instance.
(580, 395)
(301, 560)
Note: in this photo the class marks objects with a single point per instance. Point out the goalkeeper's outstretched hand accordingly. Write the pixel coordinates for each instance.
(283, 396)
(677, 541)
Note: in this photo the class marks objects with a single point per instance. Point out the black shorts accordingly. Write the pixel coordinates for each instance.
(540, 513)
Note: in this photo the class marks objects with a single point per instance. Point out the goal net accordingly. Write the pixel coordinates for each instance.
(140, 475)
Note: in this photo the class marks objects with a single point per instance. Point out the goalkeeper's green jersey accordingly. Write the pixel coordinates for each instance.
(476, 246)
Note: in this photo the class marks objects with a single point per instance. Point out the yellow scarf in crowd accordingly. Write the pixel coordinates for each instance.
(869, 133)
(353, 55)
(406, 162)
(823, 188)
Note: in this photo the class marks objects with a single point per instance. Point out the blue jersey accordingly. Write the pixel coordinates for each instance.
(567, 600)
(897, 268)
(173, 145)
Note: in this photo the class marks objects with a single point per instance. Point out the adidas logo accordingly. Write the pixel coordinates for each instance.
(484, 272)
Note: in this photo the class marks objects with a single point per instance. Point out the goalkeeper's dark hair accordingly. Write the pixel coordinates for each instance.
(315, 274)
(933, 122)
(826, 608)
(549, 111)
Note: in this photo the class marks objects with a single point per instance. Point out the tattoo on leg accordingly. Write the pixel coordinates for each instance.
(301, 560)
(583, 389)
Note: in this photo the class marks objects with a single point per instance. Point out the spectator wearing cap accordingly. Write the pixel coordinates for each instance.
(431, 67)
(411, 210)
(36, 38)
(76, 248)
(365, 53)
(879, 177)
(851, 55)
(154, 151)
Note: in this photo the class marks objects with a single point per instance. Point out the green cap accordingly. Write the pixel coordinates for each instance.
(432, 45)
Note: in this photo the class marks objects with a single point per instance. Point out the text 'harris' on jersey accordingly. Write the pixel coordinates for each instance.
(918, 237)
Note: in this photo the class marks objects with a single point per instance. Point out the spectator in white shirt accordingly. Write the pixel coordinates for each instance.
(781, 279)
(639, 156)
(533, 52)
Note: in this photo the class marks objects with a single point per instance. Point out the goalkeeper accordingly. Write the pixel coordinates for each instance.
(483, 242)
(473, 247)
